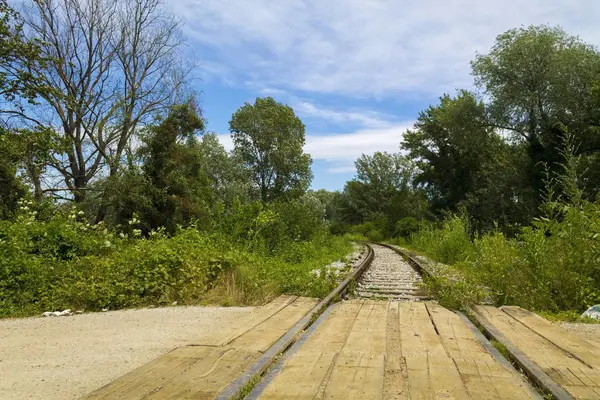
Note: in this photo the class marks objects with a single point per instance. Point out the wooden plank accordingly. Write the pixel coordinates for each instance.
(304, 373)
(201, 372)
(418, 336)
(228, 333)
(359, 369)
(161, 372)
(457, 338)
(356, 376)
(541, 351)
(498, 325)
(205, 378)
(506, 386)
(263, 335)
(587, 352)
(394, 384)
(433, 377)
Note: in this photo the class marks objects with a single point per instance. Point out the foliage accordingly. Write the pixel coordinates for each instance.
(179, 187)
(16, 82)
(65, 262)
(268, 137)
(448, 243)
(11, 187)
(381, 191)
(406, 226)
(552, 265)
(524, 75)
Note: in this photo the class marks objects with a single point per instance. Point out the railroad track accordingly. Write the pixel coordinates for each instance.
(390, 277)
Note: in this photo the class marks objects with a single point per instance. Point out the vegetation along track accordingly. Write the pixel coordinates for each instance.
(390, 276)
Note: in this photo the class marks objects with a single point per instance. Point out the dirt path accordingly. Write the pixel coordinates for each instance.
(68, 357)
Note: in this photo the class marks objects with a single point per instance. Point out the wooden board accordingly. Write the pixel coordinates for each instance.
(235, 329)
(586, 352)
(202, 371)
(567, 360)
(389, 350)
(305, 372)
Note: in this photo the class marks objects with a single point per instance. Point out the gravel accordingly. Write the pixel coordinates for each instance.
(68, 357)
(341, 268)
(589, 332)
(389, 276)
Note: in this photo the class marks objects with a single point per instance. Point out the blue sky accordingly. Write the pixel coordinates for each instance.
(357, 72)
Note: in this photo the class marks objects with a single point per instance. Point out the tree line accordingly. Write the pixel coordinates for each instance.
(498, 152)
(98, 110)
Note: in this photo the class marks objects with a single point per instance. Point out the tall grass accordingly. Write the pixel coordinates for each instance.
(553, 265)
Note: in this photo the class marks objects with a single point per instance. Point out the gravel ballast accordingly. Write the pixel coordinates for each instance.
(68, 357)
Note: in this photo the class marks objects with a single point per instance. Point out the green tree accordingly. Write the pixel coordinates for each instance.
(269, 139)
(11, 186)
(16, 84)
(16, 80)
(539, 82)
(382, 190)
(229, 179)
(450, 143)
(174, 168)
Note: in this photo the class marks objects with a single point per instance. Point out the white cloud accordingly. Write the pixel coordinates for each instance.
(364, 48)
(342, 149)
(360, 117)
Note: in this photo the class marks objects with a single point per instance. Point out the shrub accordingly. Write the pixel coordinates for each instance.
(65, 262)
(406, 226)
(449, 244)
(553, 265)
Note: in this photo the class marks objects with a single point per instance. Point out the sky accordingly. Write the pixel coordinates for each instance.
(356, 72)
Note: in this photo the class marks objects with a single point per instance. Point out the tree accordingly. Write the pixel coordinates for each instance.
(539, 80)
(382, 190)
(180, 189)
(109, 67)
(450, 143)
(11, 187)
(16, 81)
(269, 139)
(229, 179)
(18, 147)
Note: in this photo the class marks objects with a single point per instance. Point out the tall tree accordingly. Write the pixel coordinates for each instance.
(174, 168)
(269, 138)
(229, 179)
(110, 66)
(16, 84)
(539, 80)
(450, 143)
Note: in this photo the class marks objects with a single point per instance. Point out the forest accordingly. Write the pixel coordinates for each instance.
(114, 194)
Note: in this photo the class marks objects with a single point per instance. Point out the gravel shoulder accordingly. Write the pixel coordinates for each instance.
(589, 332)
(68, 357)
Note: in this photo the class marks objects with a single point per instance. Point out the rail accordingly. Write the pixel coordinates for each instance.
(292, 335)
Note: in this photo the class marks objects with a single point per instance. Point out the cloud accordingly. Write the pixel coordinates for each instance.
(363, 48)
(340, 150)
(361, 117)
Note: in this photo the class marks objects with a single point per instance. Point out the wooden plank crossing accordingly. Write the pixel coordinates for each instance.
(203, 368)
(369, 349)
(571, 362)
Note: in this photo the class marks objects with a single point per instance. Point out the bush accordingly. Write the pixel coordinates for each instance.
(553, 265)
(448, 244)
(65, 262)
(406, 226)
